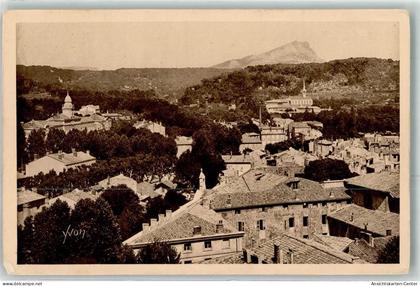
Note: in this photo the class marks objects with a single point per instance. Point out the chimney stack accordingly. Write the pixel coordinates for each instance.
(352, 217)
(168, 213)
(153, 222)
(161, 217)
(60, 154)
(73, 150)
(219, 226)
(145, 226)
(278, 254)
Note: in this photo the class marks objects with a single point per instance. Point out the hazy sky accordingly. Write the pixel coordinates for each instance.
(199, 44)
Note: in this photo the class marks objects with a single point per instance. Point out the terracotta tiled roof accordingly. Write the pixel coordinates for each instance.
(73, 197)
(305, 251)
(146, 190)
(26, 196)
(388, 182)
(366, 252)
(378, 222)
(270, 192)
(236, 258)
(70, 159)
(251, 138)
(335, 242)
(236, 159)
(298, 125)
(181, 223)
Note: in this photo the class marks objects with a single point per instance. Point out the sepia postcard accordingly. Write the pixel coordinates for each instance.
(206, 142)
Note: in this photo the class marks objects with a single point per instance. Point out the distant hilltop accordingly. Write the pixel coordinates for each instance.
(292, 53)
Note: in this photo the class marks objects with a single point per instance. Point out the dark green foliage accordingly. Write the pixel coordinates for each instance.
(158, 253)
(21, 146)
(347, 123)
(187, 170)
(125, 205)
(119, 197)
(327, 169)
(55, 140)
(102, 240)
(43, 241)
(243, 87)
(36, 143)
(248, 127)
(168, 82)
(273, 148)
(47, 241)
(391, 252)
(158, 205)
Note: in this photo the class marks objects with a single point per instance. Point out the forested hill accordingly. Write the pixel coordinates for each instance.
(166, 82)
(351, 76)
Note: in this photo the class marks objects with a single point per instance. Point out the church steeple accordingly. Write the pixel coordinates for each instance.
(67, 106)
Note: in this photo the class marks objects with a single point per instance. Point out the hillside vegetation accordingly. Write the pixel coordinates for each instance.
(166, 82)
(356, 78)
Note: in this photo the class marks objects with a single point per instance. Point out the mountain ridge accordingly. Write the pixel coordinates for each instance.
(295, 52)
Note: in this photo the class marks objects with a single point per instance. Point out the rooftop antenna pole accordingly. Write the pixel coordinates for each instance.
(260, 117)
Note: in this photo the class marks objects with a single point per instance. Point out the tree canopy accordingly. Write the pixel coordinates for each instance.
(327, 169)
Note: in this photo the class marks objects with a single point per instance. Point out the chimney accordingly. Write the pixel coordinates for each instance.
(389, 232)
(36, 156)
(331, 194)
(145, 226)
(60, 154)
(219, 226)
(229, 201)
(161, 217)
(74, 152)
(88, 152)
(196, 230)
(352, 217)
(278, 254)
(168, 213)
(291, 256)
(153, 222)
(365, 224)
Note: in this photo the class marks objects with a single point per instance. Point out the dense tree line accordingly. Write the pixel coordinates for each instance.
(296, 143)
(351, 122)
(145, 104)
(90, 233)
(244, 87)
(130, 215)
(209, 144)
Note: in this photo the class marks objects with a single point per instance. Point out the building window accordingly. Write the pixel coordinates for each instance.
(324, 219)
(263, 209)
(291, 222)
(237, 211)
(305, 221)
(187, 246)
(187, 262)
(241, 225)
(207, 244)
(260, 224)
(226, 243)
